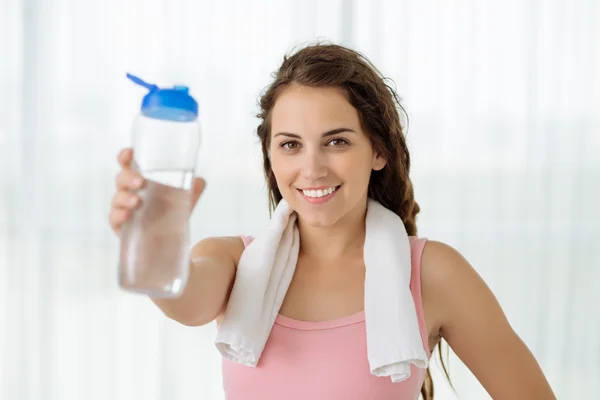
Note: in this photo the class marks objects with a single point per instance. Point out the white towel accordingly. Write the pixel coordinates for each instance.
(265, 272)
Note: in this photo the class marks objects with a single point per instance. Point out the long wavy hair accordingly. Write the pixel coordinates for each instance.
(379, 109)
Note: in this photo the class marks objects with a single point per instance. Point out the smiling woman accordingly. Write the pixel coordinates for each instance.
(333, 144)
(332, 139)
(504, 151)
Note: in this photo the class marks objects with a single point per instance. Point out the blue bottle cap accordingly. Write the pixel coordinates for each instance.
(172, 104)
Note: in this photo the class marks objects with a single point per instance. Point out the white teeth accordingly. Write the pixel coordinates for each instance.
(319, 193)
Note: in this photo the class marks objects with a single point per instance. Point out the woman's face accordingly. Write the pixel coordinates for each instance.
(320, 155)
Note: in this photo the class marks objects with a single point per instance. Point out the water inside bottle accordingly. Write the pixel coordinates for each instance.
(155, 241)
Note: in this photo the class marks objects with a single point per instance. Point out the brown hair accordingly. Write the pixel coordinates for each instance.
(379, 109)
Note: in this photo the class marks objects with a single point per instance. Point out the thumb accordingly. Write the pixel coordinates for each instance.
(198, 188)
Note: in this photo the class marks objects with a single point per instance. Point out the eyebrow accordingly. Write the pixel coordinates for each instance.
(325, 134)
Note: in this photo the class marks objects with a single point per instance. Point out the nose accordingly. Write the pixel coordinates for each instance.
(314, 166)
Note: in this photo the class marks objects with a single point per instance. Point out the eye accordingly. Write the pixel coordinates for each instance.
(338, 142)
(290, 145)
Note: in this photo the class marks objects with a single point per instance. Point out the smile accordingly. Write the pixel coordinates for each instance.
(320, 195)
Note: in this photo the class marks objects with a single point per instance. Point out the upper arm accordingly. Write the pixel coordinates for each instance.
(226, 250)
(474, 325)
(213, 262)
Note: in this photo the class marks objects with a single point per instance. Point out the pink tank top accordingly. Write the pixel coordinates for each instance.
(324, 360)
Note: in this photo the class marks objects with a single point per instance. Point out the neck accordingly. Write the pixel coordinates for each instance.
(345, 238)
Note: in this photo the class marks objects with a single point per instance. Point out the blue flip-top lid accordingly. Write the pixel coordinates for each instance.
(172, 104)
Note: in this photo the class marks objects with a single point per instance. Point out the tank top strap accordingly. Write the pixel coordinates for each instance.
(416, 252)
(246, 239)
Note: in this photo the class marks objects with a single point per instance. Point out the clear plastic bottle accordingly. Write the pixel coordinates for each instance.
(154, 254)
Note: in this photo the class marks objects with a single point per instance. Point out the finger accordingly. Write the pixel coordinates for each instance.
(199, 185)
(117, 218)
(128, 179)
(125, 200)
(125, 157)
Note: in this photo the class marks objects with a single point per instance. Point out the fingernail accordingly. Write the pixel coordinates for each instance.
(137, 182)
(133, 201)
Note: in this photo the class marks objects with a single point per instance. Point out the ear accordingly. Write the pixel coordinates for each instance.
(378, 162)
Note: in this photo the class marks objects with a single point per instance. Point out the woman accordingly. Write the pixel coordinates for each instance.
(331, 138)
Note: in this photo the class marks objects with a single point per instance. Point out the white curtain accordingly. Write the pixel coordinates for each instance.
(503, 99)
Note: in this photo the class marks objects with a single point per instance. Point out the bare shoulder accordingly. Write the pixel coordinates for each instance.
(441, 260)
(448, 280)
(443, 267)
(220, 247)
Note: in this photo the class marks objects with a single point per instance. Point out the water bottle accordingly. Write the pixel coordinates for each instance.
(154, 253)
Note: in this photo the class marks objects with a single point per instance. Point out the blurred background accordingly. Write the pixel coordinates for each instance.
(503, 100)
